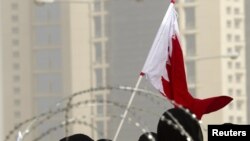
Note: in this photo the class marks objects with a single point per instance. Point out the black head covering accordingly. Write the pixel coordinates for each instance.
(77, 137)
(104, 140)
(144, 137)
(166, 132)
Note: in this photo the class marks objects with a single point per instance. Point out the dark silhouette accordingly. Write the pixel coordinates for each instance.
(167, 132)
(104, 140)
(146, 137)
(77, 137)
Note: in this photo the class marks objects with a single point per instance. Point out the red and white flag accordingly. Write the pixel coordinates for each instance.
(164, 67)
(155, 66)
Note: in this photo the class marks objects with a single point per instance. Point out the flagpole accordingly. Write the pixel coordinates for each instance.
(128, 106)
(130, 100)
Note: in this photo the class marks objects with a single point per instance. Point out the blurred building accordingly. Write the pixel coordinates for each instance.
(213, 29)
(247, 5)
(133, 26)
(1, 77)
(51, 51)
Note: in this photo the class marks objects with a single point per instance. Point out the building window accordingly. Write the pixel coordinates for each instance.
(47, 35)
(16, 90)
(238, 77)
(230, 92)
(237, 23)
(239, 119)
(228, 10)
(47, 13)
(237, 38)
(17, 114)
(238, 50)
(236, 11)
(231, 119)
(238, 92)
(98, 76)
(100, 107)
(14, 6)
(239, 104)
(229, 24)
(106, 4)
(100, 127)
(17, 102)
(98, 26)
(48, 83)
(237, 47)
(230, 78)
(237, 65)
(16, 78)
(16, 66)
(191, 72)
(48, 59)
(229, 37)
(16, 54)
(15, 30)
(98, 52)
(97, 5)
(229, 50)
(190, 17)
(14, 18)
(15, 42)
(191, 45)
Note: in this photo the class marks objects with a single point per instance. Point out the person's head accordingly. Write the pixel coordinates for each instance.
(77, 137)
(167, 131)
(149, 136)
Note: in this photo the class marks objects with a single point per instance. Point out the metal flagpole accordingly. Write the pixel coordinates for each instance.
(130, 101)
(127, 108)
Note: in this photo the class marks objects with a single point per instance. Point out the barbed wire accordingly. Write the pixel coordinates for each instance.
(151, 95)
(80, 121)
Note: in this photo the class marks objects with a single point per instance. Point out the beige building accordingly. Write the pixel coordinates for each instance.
(247, 22)
(211, 30)
(1, 76)
(49, 52)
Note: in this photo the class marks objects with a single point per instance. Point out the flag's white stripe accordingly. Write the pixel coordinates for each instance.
(155, 47)
(155, 65)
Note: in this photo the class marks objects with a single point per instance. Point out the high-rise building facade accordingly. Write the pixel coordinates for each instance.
(212, 30)
(1, 76)
(133, 25)
(51, 51)
(247, 17)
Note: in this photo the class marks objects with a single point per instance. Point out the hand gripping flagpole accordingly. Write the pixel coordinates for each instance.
(128, 106)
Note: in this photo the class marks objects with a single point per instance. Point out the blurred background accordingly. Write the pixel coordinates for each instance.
(51, 49)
